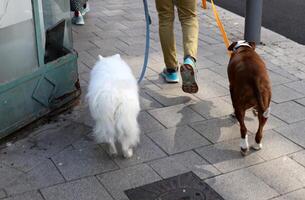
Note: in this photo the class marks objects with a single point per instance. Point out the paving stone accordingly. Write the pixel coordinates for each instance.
(41, 176)
(83, 189)
(172, 96)
(217, 130)
(294, 132)
(178, 139)
(301, 101)
(147, 123)
(277, 79)
(85, 141)
(282, 174)
(7, 174)
(2, 194)
(210, 90)
(296, 195)
(178, 115)
(182, 163)
(26, 196)
(281, 94)
(133, 177)
(77, 163)
(144, 152)
(241, 185)
(298, 86)
(226, 156)
(207, 75)
(289, 111)
(275, 145)
(212, 108)
(147, 102)
(299, 157)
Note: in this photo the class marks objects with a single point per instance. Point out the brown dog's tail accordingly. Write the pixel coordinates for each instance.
(257, 92)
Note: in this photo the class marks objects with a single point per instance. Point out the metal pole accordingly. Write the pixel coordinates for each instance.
(253, 20)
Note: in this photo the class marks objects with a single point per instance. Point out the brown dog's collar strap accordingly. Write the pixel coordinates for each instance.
(241, 43)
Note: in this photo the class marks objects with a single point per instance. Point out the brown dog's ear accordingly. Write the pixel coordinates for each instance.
(252, 44)
(230, 48)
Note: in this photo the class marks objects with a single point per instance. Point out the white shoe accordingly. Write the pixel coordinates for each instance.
(78, 20)
(85, 10)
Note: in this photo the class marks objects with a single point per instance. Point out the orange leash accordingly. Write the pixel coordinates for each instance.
(219, 23)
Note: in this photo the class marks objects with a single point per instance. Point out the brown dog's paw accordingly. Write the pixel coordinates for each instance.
(256, 146)
(244, 152)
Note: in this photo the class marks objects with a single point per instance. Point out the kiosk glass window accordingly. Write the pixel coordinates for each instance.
(57, 27)
(18, 49)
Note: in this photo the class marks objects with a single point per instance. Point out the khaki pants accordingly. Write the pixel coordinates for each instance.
(187, 12)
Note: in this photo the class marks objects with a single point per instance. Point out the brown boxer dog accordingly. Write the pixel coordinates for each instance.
(249, 88)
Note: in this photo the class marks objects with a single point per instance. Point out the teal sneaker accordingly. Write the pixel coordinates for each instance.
(85, 10)
(170, 77)
(187, 71)
(78, 20)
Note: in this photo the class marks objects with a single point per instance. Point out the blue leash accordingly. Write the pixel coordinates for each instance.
(148, 23)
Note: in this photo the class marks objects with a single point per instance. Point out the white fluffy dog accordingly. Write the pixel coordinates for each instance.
(114, 104)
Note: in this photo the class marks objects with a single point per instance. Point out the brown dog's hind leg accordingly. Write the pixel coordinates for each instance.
(244, 146)
(259, 134)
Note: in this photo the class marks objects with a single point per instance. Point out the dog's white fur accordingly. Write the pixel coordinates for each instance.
(114, 104)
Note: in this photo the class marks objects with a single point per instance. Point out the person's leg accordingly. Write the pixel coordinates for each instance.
(76, 6)
(187, 11)
(166, 15)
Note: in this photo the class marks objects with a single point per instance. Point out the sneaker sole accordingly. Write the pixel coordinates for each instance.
(189, 84)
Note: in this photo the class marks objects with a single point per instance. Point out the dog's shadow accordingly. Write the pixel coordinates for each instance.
(214, 153)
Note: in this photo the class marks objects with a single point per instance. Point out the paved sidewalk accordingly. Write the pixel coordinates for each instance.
(180, 132)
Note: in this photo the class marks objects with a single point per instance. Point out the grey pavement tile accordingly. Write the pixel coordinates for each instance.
(147, 102)
(182, 163)
(178, 115)
(84, 45)
(295, 195)
(171, 96)
(26, 196)
(275, 145)
(41, 176)
(299, 157)
(289, 112)
(147, 123)
(226, 156)
(178, 139)
(207, 75)
(282, 174)
(212, 108)
(77, 163)
(208, 90)
(145, 151)
(217, 130)
(2, 194)
(301, 101)
(118, 181)
(8, 174)
(280, 94)
(54, 140)
(83, 189)
(294, 132)
(81, 116)
(85, 141)
(298, 86)
(277, 79)
(241, 185)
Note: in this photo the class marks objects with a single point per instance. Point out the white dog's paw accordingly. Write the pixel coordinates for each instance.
(256, 146)
(112, 151)
(128, 153)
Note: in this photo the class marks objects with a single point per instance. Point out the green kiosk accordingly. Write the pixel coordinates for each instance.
(38, 67)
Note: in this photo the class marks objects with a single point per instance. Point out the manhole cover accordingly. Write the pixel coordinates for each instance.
(186, 186)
